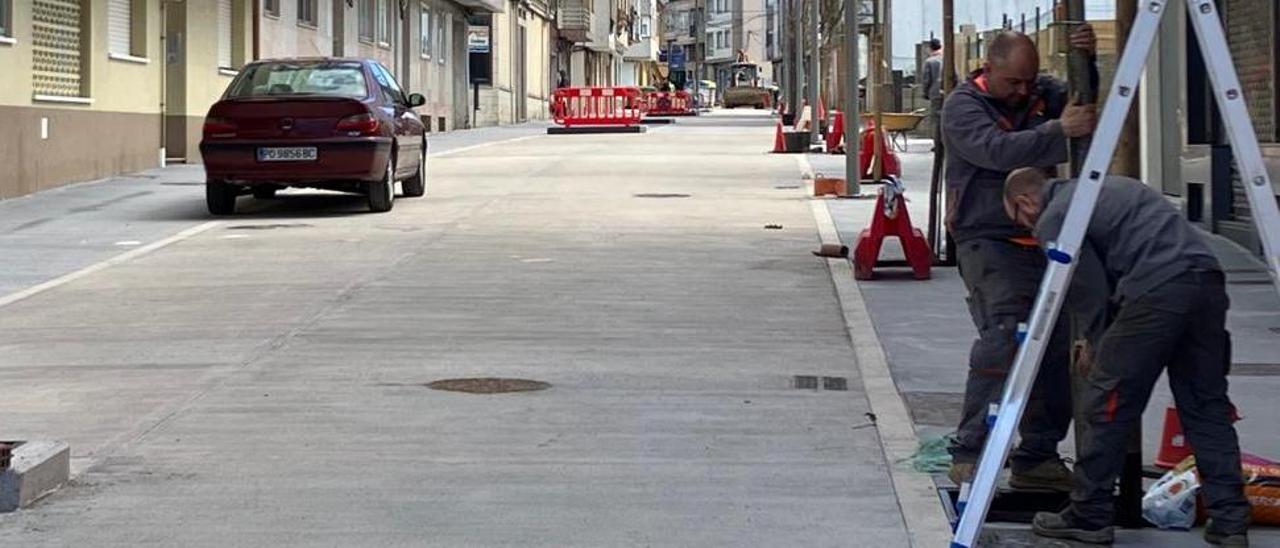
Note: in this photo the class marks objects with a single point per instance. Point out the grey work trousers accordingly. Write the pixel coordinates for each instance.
(1180, 325)
(1003, 278)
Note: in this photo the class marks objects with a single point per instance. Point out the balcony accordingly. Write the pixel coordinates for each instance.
(484, 6)
(574, 19)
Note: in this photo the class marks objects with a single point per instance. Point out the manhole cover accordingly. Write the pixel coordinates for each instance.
(488, 385)
(660, 195)
(268, 226)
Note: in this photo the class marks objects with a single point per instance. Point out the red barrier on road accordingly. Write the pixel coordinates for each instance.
(669, 103)
(613, 106)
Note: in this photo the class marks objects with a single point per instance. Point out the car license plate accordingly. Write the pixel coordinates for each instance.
(287, 154)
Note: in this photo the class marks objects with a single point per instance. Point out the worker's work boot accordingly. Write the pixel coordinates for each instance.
(961, 472)
(1218, 538)
(1064, 525)
(1050, 474)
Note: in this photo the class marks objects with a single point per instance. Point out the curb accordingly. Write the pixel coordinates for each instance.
(37, 469)
(918, 500)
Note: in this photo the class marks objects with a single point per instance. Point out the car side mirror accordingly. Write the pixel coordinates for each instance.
(416, 100)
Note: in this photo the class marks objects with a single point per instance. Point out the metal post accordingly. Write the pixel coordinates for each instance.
(938, 240)
(852, 117)
(798, 54)
(875, 81)
(814, 60)
(784, 41)
(1037, 28)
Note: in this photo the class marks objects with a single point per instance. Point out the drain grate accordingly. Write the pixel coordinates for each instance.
(660, 195)
(813, 382)
(488, 385)
(273, 226)
(787, 187)
(835, 383)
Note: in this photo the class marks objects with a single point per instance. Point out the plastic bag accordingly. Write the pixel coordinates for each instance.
(1262, 488)
(1171, 502)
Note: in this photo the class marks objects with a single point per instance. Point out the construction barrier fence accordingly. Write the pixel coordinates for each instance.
(598, 106)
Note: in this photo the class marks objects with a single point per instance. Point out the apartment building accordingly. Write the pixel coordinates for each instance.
(96, 88)
(639, 61)
(681, 29)
(85, 92)
(599, 33)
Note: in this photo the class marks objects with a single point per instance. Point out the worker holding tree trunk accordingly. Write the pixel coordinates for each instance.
(1006, 116)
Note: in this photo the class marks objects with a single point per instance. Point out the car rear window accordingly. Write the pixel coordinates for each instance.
(284, 78)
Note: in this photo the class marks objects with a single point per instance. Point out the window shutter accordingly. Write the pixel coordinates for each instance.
(120, 27)
(224, 34)
(55, 38)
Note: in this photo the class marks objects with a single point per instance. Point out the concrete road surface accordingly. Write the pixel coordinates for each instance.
(258, 380)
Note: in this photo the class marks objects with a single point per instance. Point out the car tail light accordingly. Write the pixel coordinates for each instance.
(359, 124)
(219, 127)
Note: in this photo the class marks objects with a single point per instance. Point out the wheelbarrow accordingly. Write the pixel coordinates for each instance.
(897, 124)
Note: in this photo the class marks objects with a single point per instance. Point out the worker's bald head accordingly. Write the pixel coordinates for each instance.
(1022, 191)
(1010, 46)
(1012, 67)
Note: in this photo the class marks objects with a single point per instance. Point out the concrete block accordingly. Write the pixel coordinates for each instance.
(37, 469)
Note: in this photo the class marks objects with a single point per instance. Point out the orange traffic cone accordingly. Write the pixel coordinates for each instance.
(779, 142)
(1174, 447)
(1173, 444)
(836, 133)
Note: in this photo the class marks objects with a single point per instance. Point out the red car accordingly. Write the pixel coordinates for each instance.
(334, 124)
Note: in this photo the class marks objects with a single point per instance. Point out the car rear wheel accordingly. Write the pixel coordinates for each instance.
(220, 197)
(416, 185)
(382, 194)
(264, 192)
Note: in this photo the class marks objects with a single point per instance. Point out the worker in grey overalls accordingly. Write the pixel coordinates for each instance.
(1007, 116)
(1171, 303)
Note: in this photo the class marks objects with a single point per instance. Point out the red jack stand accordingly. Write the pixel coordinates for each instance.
(891, 219)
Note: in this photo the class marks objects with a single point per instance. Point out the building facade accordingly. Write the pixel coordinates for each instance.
(96, 88)
(1185, 150)
(639, 61)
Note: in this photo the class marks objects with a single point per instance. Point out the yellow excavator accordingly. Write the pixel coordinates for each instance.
(744, 88)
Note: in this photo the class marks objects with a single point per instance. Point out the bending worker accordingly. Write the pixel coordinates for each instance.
(1172, 311)
(1007, 116)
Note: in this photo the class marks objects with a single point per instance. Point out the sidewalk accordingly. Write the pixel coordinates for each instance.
(926, 332)
(50, 233)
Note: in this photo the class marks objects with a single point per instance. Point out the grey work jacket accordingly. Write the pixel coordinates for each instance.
(985, 140)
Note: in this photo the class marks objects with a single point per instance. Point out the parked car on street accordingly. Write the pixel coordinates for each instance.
(333, 124)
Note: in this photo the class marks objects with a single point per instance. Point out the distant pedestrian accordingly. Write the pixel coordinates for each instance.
(1172, 306)
(563, 81)
(931, 85)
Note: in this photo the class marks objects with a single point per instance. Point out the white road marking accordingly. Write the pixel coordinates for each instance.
(129, 243)
(481, 145)
(103, 265)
